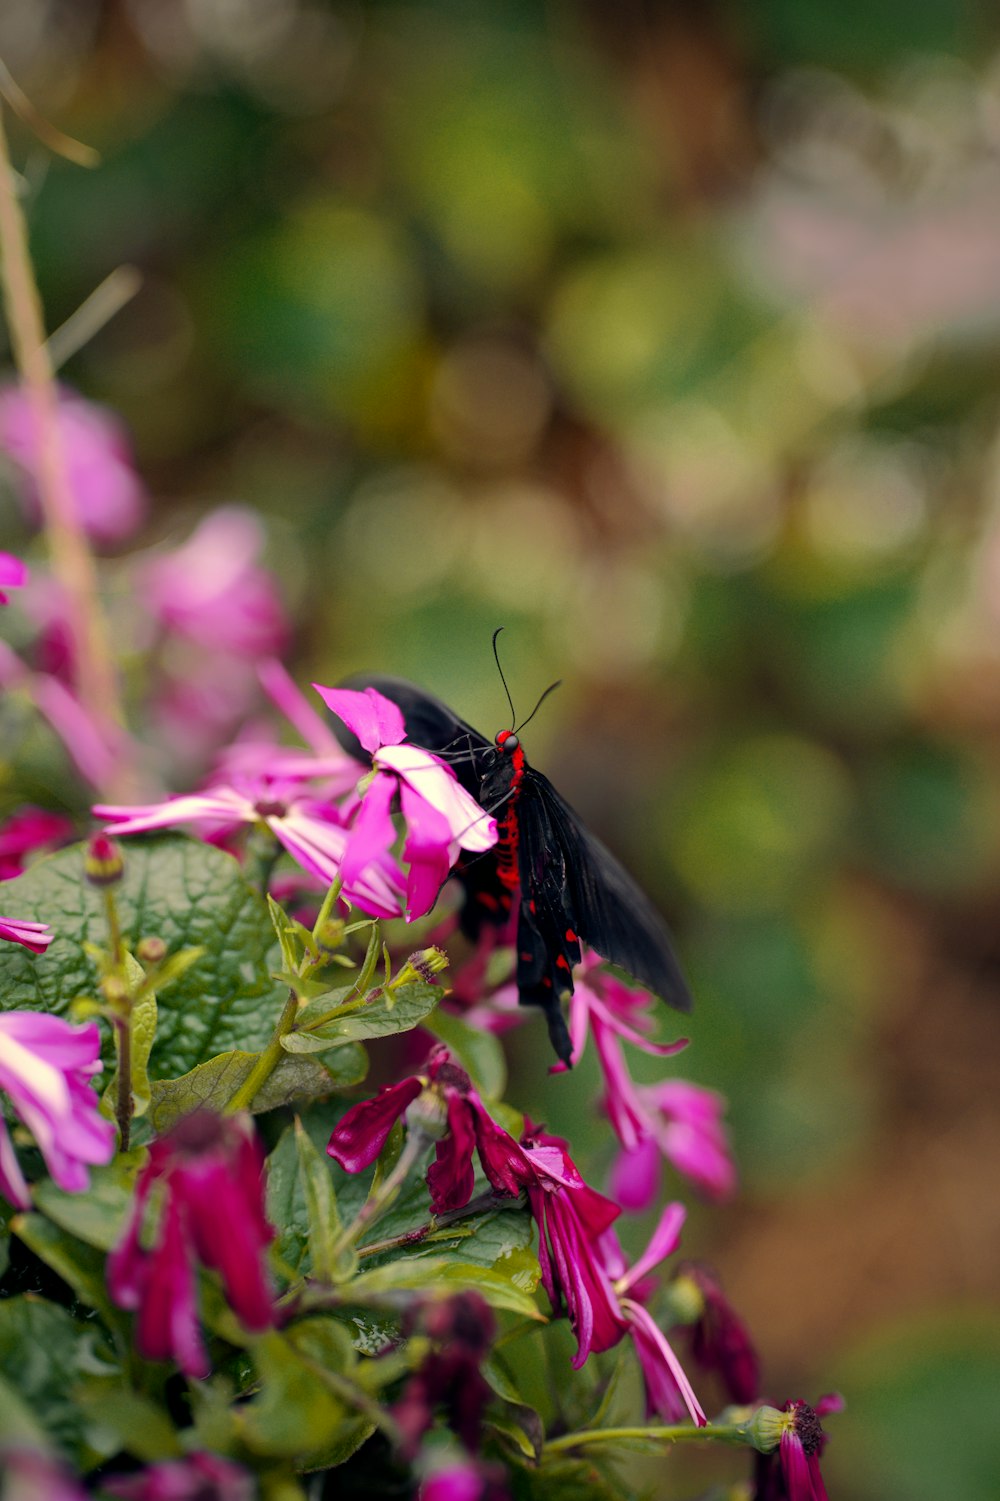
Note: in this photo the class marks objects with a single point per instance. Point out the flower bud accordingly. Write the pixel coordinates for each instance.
(330, 937)
(687, 1301)
(765, 1428)
(151, 951)
(428, 1114)
(103, 863)
(115, 992)
(424, 965)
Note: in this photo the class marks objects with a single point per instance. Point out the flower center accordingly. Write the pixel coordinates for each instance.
(270, 808)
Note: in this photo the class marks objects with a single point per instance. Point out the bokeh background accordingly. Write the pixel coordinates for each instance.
(668, 336)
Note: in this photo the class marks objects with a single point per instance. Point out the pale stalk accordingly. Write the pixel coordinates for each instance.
(72, 562)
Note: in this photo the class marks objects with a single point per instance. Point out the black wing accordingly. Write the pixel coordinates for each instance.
(430, 724)
(602, 904)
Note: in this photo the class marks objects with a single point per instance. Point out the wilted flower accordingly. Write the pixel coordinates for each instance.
(109, 497)
(46, 1065)
(441, 817)
(208, 1176)
(211, 590)
(718, 1338)
(13, 575)
(30, 831)
(197, 1477)
(789, 1470)
(361, 1134)
(461, 1329)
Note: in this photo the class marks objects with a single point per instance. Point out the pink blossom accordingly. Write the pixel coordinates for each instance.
(109, 497)
(45, 1069)
(682, 1123)
(464, 1480)
(95, 749)
(209, 1175)
(790, 1471)
(460, 1330)
(211, 591)
(361, 1134)
(718, 1338)
(196, 1477)
(441, 817)
(13, 575)
(35, 936)
(31, 1474)
(30, 831)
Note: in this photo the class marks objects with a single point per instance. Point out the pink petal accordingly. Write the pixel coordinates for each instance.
(13, 574)
(374, 719)
(12, 1183)
(657, 1359)
(362, 1133)
(663, 1242)
(450, 1176)
(35, 936)
(435, 783)
(287, 696)
(635, 1176)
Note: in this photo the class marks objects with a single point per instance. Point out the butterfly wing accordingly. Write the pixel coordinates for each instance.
(600, 901)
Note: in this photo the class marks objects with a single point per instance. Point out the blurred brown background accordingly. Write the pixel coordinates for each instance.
(668, 335)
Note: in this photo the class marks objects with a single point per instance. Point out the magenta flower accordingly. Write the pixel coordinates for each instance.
(109, 496)
(45, 1070)
(441, 817)
(35, 936)
(790, 1472)
(13, 575)
(668, 1390)
(461, 1329)
(303, 819)
(30, 1474)
(211, 590)
(718, 1338)
(682, 1123)
(208, 1177)
(361, 1134)
(29, 832)
(196, 1477)
(572, 1218)
(465, 1480)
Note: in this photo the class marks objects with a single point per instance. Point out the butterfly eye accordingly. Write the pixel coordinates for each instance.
(511, 743)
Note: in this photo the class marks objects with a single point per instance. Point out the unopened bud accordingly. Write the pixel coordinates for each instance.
(330, 937)
(115, 991)
(424, 965)
(765, 1428)
(428, 1114)
(687, 1301)
(103, 863)
(151, 951)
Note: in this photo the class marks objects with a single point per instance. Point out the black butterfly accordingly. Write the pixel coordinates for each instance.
(569, 888)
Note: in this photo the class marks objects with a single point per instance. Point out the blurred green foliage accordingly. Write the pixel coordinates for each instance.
(669, 337)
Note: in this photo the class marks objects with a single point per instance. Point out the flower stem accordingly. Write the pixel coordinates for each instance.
(268, 1061)
(672, 1433)
(123, 1092)
(72, 562)
(381, 1198)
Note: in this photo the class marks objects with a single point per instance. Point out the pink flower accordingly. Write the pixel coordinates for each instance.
(109, 496)
(572, 1218)
(718, 1338)
(35, 936)
(209, 1176)
(790, 1472)
(45, 1069)
(211, 591)
(197, 1477)
(361, 1134)
(464, 1480)
(461, 1329)
(682, 1123)
(27, 832)
(441, 817)
(13, 575)
(30, 1474)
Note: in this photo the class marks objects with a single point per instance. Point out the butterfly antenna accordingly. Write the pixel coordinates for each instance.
(496, 655)
(550, 689)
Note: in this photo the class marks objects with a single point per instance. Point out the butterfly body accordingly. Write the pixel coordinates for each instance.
(568, 889)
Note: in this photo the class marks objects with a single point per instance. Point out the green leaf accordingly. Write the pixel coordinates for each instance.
(321, 1208)
(79, 1265)
(389, 1012)
(285, 1205)
(43, 1353)
(144, 1012)
(214, 1083)
(444, 1274)
(97, 1215)
(178, 889)
(294, 1414)
(135, 1423)
(17, 1421)
(479, 1053)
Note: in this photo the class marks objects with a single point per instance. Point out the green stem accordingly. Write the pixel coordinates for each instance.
(123, 1093)
(268, 1060)
(381, 1198)
(673, 1433)
(115, 946)
(332, 893)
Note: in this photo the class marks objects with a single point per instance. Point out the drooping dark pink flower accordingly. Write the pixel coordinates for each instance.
(208, 1175)
(680, 1123)
(362, 1132)
(30, 831)
(461, 1329)
(790, 1471)
(46, 1065)
(108, 494)
(196, 1477)
(441, 818)
(718, 1339)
